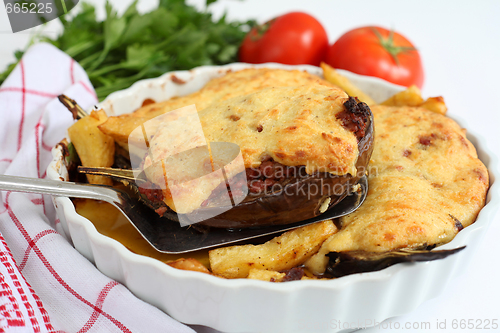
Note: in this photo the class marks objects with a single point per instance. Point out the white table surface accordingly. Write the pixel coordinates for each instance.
(459, 42)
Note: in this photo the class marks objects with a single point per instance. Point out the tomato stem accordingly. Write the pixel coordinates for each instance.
(261, 29)
(388, 45)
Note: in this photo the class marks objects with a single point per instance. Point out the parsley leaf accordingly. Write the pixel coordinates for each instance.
(123, 49)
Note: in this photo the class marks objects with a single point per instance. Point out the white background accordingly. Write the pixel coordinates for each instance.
(459, 42)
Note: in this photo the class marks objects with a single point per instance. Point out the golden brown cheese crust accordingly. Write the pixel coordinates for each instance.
(293, 125)
(425, 183)
(234, 84)
(218, 89)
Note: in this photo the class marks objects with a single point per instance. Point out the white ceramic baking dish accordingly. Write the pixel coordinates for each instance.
(248, 305)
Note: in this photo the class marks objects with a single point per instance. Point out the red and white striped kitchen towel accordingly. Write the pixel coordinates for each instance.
(45, 284)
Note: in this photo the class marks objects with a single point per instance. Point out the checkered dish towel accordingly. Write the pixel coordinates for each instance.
(45, 284)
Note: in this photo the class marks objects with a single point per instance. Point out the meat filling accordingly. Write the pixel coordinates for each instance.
(270, 174)
(355, 117)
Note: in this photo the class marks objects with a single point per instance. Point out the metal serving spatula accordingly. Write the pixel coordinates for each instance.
(166, 235)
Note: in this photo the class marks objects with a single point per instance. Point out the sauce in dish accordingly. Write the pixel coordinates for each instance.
(110, 222)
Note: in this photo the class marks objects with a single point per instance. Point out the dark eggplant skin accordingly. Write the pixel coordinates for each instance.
(293, 203)
(353, 262)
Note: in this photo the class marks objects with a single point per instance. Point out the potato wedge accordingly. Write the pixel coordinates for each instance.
(280, 253)
(435, 104)
(189, 264)
(343, 83)
(408, 97)
(265, 275)
(274, 276)
(94, 148)
(120, 128)
(317, 262)
(413, 97)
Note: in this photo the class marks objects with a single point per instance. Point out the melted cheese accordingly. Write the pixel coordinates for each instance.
(424, 175)
(222, 88)
(293, 125)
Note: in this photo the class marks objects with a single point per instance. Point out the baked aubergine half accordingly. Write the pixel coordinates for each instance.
(304, 149)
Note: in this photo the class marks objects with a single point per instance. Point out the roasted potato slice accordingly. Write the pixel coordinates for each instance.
(274, 276)
(94, 148)
(408, 97)
(435, 104)
(119, 128)
(265, 275)
(280, 253)
(343, 83)
(413, 97)
(189, 264)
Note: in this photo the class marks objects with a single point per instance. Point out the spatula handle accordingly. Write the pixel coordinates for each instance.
(57, 188)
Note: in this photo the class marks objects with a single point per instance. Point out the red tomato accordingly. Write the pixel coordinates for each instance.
(378, 52)
(294, 38)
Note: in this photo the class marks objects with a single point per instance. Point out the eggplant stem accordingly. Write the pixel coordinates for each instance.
(72, 106)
